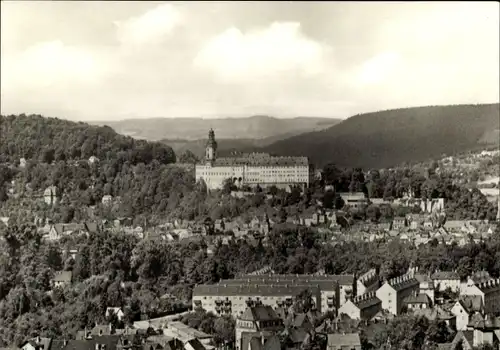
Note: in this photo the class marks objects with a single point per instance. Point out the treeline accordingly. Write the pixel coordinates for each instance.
(117, 270)
(50, 140)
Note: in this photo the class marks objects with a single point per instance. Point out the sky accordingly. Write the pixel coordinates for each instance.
(118, 60)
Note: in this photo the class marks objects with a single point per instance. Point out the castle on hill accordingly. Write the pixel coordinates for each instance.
(252, 169)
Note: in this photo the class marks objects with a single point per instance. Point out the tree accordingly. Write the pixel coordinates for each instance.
(188, 157)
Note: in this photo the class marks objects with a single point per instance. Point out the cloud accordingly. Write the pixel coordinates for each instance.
(48, 64)
(257, 54)
(150, 27)
(379, 68)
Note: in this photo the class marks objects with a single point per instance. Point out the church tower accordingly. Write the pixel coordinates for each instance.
(211, 149)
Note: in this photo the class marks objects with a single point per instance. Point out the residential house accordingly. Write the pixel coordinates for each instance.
(485, 332)
(50, 195)
(426, 286)
(367, 282)
(489, 291)
(348, 341)
(415, 221)
(38, 343)
(354, 199)
(465, 307)
(185, 334)
(115, 311)
(399, 223)
(62, 278)
(437, 314)
(417, 301)
(362, 307)
(454, 226)
(329, 284)
(446, 279)
(260, 318)
(394, 291)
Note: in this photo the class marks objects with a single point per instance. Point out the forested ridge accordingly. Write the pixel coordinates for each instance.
(50, 139)
(387, 138)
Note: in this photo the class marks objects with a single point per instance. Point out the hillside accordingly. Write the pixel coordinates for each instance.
(256, 127)
(225, 146)
(386, 138)
(52, 139)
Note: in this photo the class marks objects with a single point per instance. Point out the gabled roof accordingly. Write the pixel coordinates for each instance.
(350, 339)
(434, 314)
(445, 275)
(418, 299)
(471, 303)
(259, 313)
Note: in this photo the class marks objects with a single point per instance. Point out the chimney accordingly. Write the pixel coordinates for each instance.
(97, 346)
(262, 338)
(65, 342)
(38, 339)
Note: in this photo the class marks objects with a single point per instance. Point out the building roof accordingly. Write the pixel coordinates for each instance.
(366, 300)
(403, 282)
(261, 159)
(434, 314)
(322, 284)
(259, 313)
(422, 278)
(489, 285)
(350, 339)
(63, 276)
(445, 275)
(418, 299)
(471, 303)
(340, 279)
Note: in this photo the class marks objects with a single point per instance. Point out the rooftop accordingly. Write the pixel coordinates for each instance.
(251, 290)
(261, 159)
(340, 279)
(350, 339)
(259, 313)
(445, 275)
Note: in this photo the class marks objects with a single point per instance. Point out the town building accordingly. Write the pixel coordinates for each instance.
(367, 282)
(394, 291)
(417, 301)
(464, 308)
(354, 199)
(62, 278)
(50, 195)
(252, 169)
(362, 307)
(259, 320)
(446, 279)
(426, 286)
(346, 285)
(489, 291)
(224, 299)
(339, 341)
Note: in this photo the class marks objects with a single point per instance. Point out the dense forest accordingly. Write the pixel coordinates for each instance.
(50, 140)
(387, 138)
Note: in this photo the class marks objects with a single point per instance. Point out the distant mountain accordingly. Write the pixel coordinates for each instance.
(386, 138)
(190, 129)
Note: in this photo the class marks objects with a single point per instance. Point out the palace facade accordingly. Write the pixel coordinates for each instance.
(252, 169)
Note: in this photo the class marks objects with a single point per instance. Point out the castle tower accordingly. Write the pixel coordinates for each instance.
(211, 149)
